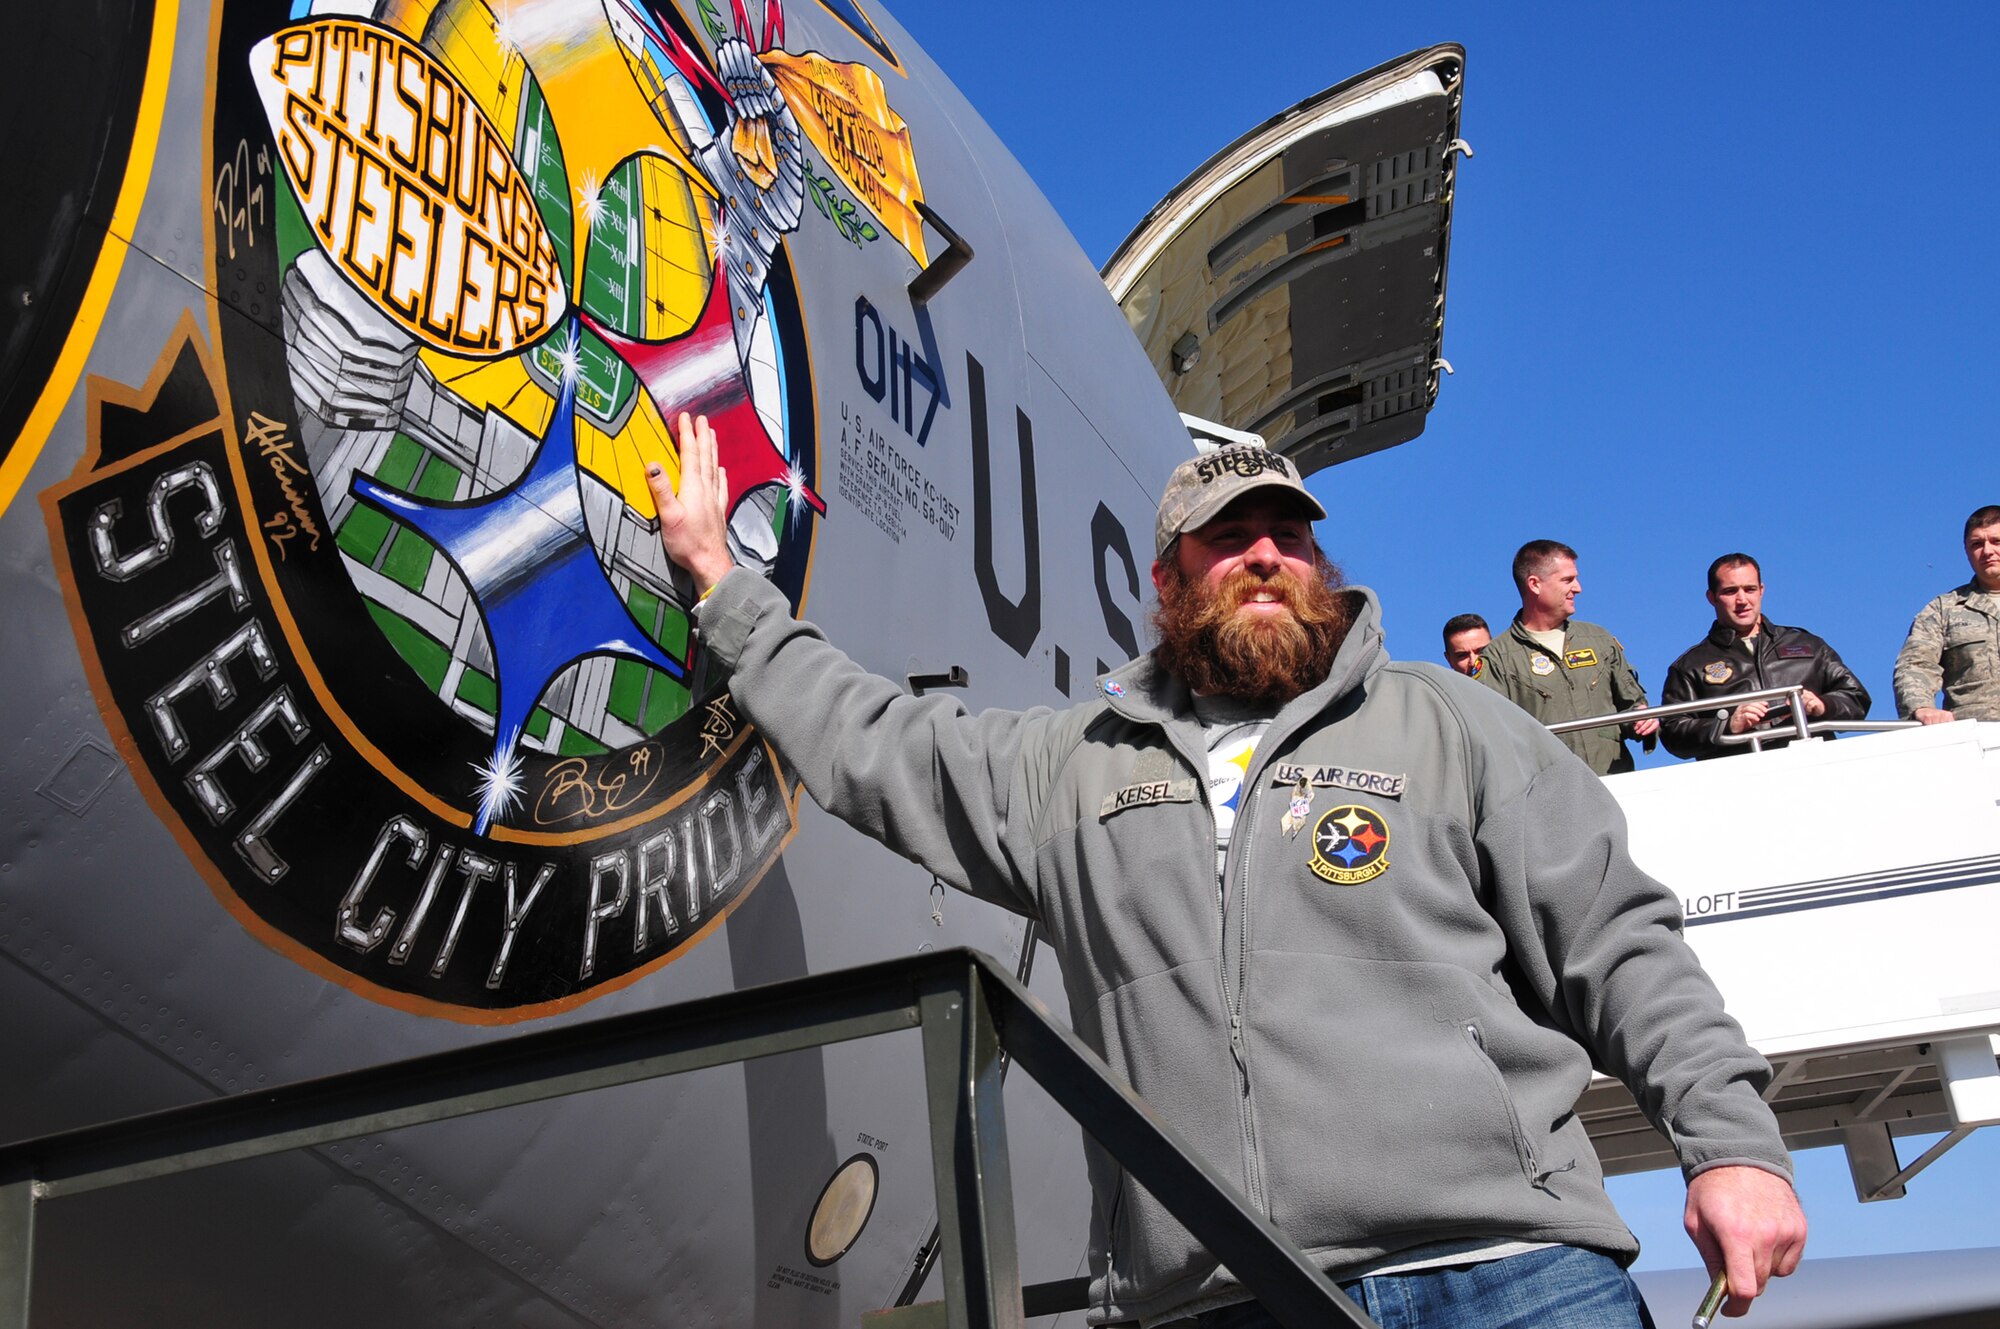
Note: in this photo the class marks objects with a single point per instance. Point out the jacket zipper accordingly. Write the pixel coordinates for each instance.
(1252, 1169)
(1231, 993)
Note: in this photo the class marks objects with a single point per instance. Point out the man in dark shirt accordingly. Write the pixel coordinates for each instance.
(1746, 652)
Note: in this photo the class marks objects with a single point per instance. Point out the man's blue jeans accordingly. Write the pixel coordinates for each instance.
(1563, 1287)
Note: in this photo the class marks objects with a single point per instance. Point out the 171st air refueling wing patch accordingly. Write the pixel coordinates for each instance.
(1719, 671)
(1350, 845)
(1581, 658)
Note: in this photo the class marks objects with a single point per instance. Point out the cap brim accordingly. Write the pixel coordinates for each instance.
(1204, 513)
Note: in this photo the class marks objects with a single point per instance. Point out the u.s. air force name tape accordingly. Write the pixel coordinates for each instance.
(1151, 791)
(1339, 777)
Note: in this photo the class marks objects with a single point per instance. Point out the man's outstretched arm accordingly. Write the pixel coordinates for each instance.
(1600, 943)
(950, 790)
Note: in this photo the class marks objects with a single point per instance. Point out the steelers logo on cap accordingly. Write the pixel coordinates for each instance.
(1350, 845)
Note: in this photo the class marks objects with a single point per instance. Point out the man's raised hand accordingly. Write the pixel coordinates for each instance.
(694, 523)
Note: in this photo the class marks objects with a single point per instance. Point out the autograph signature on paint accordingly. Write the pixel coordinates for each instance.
(239, 190)
(267, 436)
(718, 728)
(574, 792)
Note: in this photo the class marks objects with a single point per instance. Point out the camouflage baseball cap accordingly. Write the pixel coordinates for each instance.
(1203, 486)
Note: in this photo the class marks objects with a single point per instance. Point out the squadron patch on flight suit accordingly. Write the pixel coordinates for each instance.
(1581, 658)
(1350, 845)
(1543, 665)
(1720, 671)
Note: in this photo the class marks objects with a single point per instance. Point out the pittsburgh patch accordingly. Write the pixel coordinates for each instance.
(1581, 658)
(1339, 777)
(1145, 794)
(1721, 671)
(1350, 845)
(1543, 665)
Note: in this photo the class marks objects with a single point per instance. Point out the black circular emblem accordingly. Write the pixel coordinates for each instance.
(432, 718)
(1350, 844)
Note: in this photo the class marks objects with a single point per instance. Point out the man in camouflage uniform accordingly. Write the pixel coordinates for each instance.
(1556, 667)
(1954, 643)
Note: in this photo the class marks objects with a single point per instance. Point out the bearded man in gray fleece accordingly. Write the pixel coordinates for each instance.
(1357, 929)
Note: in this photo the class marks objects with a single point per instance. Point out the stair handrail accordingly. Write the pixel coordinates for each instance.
(973, 1014)
(1793, 697)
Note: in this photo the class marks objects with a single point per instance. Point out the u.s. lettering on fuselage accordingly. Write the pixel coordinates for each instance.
(891, 370)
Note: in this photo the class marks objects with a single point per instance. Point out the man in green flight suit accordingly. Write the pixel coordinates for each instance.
(1557, 667)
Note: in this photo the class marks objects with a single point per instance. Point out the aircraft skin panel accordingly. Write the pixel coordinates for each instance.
(1074, 334)
(276, 1240)
(1942, 1289)
(292, 486)
(185, 188)
(87, 1066)
(76, 140)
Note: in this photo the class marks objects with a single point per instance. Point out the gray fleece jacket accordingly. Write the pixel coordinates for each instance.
(1381, 1033)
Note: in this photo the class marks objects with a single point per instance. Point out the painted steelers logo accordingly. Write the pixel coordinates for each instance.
(1350, 845)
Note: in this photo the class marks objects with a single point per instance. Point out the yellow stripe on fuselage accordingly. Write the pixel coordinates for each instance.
(110, 259)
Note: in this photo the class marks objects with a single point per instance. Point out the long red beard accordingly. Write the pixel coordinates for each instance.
(1272, 658)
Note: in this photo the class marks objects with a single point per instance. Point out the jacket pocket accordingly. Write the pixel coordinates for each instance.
(1375, 1113)
(1962, 640)
(1169, 1036)
(1524, 1151)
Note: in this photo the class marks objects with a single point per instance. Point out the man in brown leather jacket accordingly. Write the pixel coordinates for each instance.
(1746, 652)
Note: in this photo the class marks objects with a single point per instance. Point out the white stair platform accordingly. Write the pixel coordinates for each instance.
(1845, 896)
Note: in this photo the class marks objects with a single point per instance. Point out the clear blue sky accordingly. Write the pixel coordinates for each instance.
(1721, 278)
